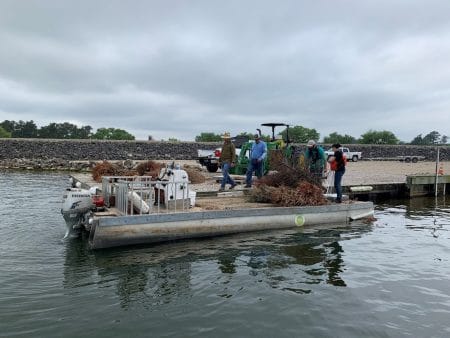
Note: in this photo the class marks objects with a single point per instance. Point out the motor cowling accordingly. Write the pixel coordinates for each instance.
(76, 208)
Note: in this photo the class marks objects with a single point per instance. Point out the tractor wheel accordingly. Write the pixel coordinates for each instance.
(212, 167)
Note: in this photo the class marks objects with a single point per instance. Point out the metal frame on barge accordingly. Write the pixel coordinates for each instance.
(166, 221)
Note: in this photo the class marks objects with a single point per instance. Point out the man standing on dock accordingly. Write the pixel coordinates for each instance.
(337, 164)
(227, 160)
(257, 156)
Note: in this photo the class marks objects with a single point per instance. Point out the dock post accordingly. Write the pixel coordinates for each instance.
(436, 173)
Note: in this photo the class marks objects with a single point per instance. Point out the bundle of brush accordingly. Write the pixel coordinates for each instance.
(195, 176)
(106, 168)
(149, 168)
(289, 186)
(276, 158)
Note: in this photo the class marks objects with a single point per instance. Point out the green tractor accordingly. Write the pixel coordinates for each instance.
(277, 150)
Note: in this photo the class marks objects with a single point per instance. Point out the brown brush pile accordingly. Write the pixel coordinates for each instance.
(106, 168)
(276, 159)
(149, 168)
(289, 187)
(195, 177)
(289, 177)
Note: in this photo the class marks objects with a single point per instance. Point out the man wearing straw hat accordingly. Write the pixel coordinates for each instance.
(227, 160)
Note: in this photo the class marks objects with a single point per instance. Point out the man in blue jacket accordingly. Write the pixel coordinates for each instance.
(255, 164)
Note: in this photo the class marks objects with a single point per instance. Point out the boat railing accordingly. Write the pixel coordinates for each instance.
(138, 195)
(109, 188)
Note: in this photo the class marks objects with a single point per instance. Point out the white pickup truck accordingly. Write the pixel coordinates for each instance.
(351, 155)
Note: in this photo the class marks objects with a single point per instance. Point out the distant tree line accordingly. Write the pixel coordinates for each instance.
(63, 130)
(300, 134)
(297, 134)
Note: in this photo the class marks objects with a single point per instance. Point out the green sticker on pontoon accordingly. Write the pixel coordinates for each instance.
(299, 220)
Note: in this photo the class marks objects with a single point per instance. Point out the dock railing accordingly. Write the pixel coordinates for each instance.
(138, 195)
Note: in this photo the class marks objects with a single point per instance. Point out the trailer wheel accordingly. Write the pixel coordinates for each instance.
(407, 159)
(414, 160)
(355, 158)
(212, 167)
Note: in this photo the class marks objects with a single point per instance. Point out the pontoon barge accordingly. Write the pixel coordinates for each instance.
(138, 211)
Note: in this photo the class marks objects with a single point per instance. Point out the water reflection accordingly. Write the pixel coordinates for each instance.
(292, 260)
(418, 206)
(422, 213)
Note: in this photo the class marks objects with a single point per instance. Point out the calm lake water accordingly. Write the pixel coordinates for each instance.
(388, 278)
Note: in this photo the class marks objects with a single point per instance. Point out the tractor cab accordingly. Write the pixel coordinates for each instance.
(278, 149)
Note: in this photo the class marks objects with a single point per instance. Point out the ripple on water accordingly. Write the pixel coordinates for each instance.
(384, 279)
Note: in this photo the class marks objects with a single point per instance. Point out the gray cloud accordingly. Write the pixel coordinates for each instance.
(179, 68)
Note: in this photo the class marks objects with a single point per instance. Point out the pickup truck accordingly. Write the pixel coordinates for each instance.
(210, 158)
(351, 155)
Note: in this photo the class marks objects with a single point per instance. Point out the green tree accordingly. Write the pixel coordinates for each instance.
(378, 137)
(64, 130)
(8, 125)
(4, 133)
(248, 135)
(29, 129)
(20, 129)
(417, 140)
(299, 134)
(251, 136)
(337, 138)
(432, 138)
(49, 131)
(83, 133)
(112, 134)
(208, 137)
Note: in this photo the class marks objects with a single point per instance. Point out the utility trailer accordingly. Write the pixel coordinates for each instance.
(410, 158)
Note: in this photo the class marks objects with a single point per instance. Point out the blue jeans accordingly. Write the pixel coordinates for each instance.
(337, 184)
(253, 166)
(226, 176)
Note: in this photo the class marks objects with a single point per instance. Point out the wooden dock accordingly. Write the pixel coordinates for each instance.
(415, 186)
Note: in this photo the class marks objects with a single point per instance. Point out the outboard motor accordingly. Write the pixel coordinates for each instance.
(77, 207)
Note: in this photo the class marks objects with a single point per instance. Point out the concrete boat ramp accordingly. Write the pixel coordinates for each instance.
(122, 224)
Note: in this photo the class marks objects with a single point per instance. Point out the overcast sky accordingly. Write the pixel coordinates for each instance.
(174, 69)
